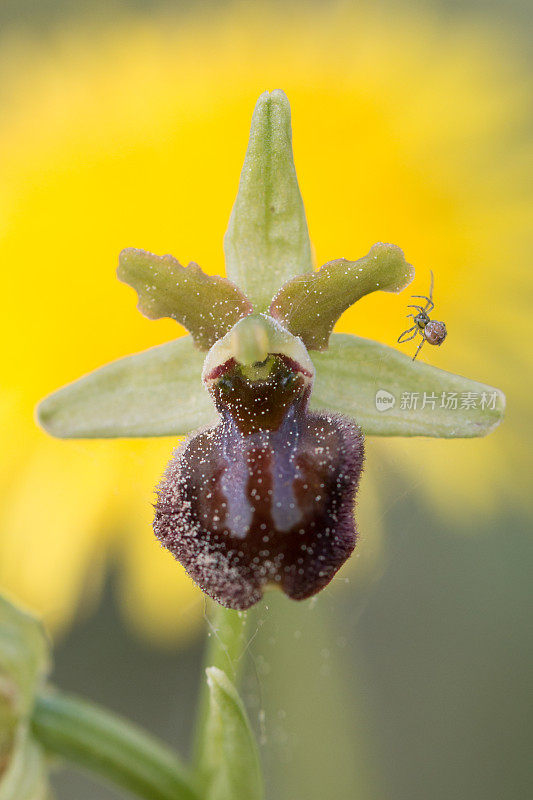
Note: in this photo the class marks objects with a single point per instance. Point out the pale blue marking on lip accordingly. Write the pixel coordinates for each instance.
(234, 481)
(282, 445)
(284, 507)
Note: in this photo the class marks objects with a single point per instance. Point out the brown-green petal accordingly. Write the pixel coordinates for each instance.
(389, 394)
(207, 305)
(310, 305)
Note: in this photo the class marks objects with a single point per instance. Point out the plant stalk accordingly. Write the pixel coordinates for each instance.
(91, 737)
(225, 649)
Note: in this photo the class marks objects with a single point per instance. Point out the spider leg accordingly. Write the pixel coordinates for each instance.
(429, 303)
(401, 339)
(419, 346)
(417, 307)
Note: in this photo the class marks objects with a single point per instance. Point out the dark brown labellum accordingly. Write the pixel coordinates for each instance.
(267, 495)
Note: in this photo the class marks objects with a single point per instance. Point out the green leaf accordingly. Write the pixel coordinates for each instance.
(207, 305)
(232, 760)
(93, 738)
(24, 661)
(351, 373)
(267, 241)
(310, 305)
(154, 393)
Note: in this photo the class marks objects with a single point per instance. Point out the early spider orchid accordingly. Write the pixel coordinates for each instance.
(431, 331)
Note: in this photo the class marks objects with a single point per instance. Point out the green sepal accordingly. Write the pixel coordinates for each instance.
(157, 392)
(207, 305)
(310, 305)
(267, 241)
(351, 373)
(24, 662)
(231, 764)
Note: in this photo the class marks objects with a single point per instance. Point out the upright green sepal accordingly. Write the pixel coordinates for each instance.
(207, 305)
(267, 241)
(231, 767)
(310, 305)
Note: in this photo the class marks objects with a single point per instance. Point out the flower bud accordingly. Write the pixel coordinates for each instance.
(266, 496)
(24, 661)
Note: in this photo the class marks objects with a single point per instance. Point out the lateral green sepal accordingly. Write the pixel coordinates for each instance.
(389, 394)
(157, 392)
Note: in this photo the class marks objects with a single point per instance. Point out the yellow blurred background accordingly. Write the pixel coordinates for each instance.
(125, 124)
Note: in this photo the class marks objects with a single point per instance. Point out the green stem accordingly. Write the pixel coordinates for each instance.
(91, 737)
(225, 648)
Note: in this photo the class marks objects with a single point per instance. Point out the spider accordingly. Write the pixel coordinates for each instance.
(430, 330)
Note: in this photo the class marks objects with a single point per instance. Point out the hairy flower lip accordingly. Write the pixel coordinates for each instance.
(228, 512)
(265, 496)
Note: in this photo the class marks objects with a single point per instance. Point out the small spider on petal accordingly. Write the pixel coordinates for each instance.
(431, 330)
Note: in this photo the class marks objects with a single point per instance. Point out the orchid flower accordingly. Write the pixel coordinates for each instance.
(275, 405)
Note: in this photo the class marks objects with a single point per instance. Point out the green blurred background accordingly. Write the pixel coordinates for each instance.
(410, 678)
